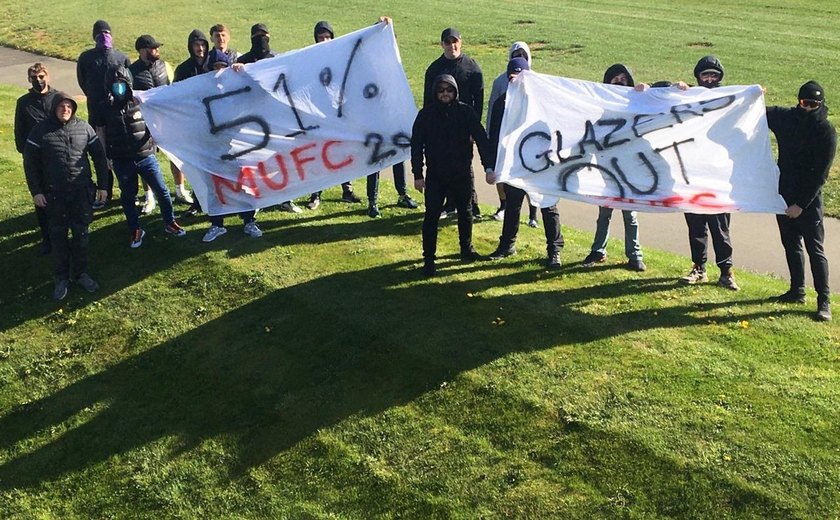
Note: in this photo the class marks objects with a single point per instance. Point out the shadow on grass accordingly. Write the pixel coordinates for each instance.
(27, 295)
(274, 371)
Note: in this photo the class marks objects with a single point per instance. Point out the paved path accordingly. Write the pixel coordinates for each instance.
(755, 237)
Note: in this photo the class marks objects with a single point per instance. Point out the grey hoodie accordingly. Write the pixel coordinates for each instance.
(501, 82)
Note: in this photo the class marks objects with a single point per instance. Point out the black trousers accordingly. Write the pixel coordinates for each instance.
(514, 197)
(73, 211)
(808, 227)
(459, 190)
(698, 238)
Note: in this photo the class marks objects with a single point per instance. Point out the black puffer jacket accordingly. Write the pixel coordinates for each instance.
(126, 133)
(442, 134)
(55, 158)
(147, 76)
(92, 70)
(32, 108)
(191, 67)
(807, 142)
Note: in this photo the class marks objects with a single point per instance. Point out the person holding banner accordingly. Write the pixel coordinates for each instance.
(709, 74)
(324, 32)
(515, 196)
(807, 143)
(443, 135)
(617, 74)
(517, 50)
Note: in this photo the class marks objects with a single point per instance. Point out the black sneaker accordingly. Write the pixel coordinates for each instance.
(429, 269)
(823, 311)
(789, 297)
(594, 258)
(502, 252)
(87, 283)
(373, 211)
(553, 261)
(60, 289)
(470, 256)
(636, 265)
(349, 196)
(405, 201)
(313, 203)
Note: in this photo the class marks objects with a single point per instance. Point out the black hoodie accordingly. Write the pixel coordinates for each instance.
(126, 134)
(615, 70)
(260, 47)
(466, 72)
(55, 157)
(707, 63)
(321, 27)
(441, 134)
(191, 67)
(807, 143)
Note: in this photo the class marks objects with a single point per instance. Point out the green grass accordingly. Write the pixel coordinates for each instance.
(314, 374)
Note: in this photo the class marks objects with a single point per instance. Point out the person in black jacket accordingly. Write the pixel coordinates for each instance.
(93, 68)
(132, 152)
(807, 143)
(260, 46)
(709, 74)
(32, 108)
(198, 46)
(443, 134)
(470, 81)
(58, 175)
(515, 196)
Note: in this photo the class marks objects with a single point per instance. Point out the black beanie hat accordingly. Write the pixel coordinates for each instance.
(100, 26)
(812, 90)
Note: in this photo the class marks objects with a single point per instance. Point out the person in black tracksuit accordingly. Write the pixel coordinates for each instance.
(515, 196)
(470, 79)
(443, 134)
(32, 108)
(807, 143)
(58, 175)
(709, 74)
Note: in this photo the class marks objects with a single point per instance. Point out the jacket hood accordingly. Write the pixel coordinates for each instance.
(122, 73)
(615, 70)
(523, 46)
(706, 63)
(449, 79)
(196, 35)
(59, 97)
(321, 27)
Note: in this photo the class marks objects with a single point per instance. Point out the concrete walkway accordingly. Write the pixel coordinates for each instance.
(755, 237)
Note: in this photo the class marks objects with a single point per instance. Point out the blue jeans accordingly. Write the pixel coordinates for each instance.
(148, 168)
(631, 233)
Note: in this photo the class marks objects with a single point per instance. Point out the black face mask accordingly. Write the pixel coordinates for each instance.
(260, 43)
(38, 84)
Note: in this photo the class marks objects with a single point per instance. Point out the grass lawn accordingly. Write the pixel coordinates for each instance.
(314, 373)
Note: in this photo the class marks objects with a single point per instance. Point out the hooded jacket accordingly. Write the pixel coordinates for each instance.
(31, 108)
(126, 134)
(501, 82)
(442, 133)
(191, 67)
(706, 63)
(807, 143)
(55, 157)
(467, 74)
(260, 49)
(92, 70)
(619, 68)
(148, 75)
(321, 27)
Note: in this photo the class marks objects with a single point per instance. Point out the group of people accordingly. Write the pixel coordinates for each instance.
(55, 145)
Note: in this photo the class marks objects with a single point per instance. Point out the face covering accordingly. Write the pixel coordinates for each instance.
(260, 43)
(38, 84)
(104, 41)
(119, 89)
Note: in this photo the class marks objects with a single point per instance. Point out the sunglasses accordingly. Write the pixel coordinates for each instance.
(448, 90)
(810, 103)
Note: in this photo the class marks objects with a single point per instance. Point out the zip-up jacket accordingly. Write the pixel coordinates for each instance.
(191, 67)
(126, 133)
(148, 76)
(32, 108)
(55, 157)
(92, 70)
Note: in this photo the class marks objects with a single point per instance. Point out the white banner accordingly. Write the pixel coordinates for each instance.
(287, 126)
(700, 150)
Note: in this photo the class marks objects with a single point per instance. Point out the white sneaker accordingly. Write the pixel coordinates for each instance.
(150, 203)
(252, 230)
(213, 233)
(182, 194)
(290, 207)
(533, 223)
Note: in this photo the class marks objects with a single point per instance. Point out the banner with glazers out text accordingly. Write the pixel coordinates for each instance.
(700, 150)
(287, 126)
